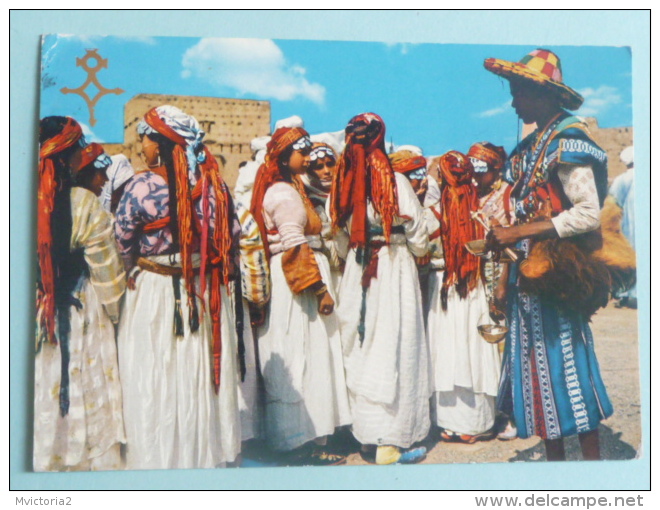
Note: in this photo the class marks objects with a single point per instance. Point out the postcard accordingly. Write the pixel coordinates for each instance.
(258, 252)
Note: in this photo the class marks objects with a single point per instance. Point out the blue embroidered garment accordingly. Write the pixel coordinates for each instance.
(533, 163)
(551, 383)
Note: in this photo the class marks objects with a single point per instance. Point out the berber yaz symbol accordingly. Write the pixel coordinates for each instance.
(92, 80)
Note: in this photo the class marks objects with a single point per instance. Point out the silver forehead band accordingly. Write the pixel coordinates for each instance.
(420, 173)
(321, 152)
(302, 143)
(103, 161)
(480, 167)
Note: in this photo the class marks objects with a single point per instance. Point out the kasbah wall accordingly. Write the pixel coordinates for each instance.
(230, 126)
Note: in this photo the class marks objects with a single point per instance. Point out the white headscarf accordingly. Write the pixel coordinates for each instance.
(412, 148)
(627, 156)
(119, 171)
(290, 122)
(185, 126)
(334, 139)
(247, 174)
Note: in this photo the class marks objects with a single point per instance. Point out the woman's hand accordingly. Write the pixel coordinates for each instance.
(326, 303)
(132, 278)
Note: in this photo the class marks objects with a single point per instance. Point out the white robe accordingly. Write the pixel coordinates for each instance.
(174, 419)
(388, 376)
(249, 403)
(299, 349)
(466, 369)
(88, 437)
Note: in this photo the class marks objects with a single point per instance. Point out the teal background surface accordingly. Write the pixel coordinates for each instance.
(533, 29)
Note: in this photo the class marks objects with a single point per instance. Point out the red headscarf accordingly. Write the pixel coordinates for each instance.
(493, 155)
(215, 251)
(364, 173)
(406, 161)
(459, 200)
(269, 173)
(85, 157)
(47, 189)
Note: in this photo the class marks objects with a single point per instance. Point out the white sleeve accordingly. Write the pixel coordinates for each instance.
(286, 208)
(410, 210)
(341, 237)
(580, 188)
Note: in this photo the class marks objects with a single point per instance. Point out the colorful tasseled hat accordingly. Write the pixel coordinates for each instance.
(542, 67)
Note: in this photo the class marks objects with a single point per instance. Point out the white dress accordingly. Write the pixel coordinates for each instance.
(466, 369)
(174, 418)
(299, 349)
(388, 375)
(88, 437)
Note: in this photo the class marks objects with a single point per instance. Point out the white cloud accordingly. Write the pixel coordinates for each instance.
(250, 66)
(89, 134)
(597, 101)
(494, 111)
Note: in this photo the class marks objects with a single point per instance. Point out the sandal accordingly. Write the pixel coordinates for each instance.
(448, 436)
(484, 436)
(323, 458)
(412, 456)
(452, 437)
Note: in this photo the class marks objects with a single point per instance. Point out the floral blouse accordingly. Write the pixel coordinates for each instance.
(145, 200)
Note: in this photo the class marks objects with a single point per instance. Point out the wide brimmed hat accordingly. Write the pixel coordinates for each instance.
(542, 67)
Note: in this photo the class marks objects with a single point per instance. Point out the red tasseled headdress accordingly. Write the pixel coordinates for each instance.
(364, 173)
(215, 251)
(47, 188)
(269, 173)
(459, 200)
(84, 157)
(493, 155)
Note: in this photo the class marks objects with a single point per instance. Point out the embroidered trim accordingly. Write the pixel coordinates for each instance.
(525, 359)
(545, 384)
(570, 376)
(572, 145)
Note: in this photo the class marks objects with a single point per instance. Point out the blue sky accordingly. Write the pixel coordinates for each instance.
(438, 97)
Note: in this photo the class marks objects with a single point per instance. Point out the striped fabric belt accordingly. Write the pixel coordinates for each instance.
(161, 269)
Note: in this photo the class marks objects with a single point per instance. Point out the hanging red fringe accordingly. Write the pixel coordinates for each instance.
(459, 199)
(47, 188)
(364, 173)
(215, 250)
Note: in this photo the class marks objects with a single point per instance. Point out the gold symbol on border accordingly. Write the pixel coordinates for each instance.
(101, 63)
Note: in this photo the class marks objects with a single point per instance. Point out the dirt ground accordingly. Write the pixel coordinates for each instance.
(615, 334)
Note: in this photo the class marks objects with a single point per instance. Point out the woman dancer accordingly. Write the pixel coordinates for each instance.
(380, 305)
(318, 181)
(466, 368)
(177, 336)
(78, 403)
(299, 346)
